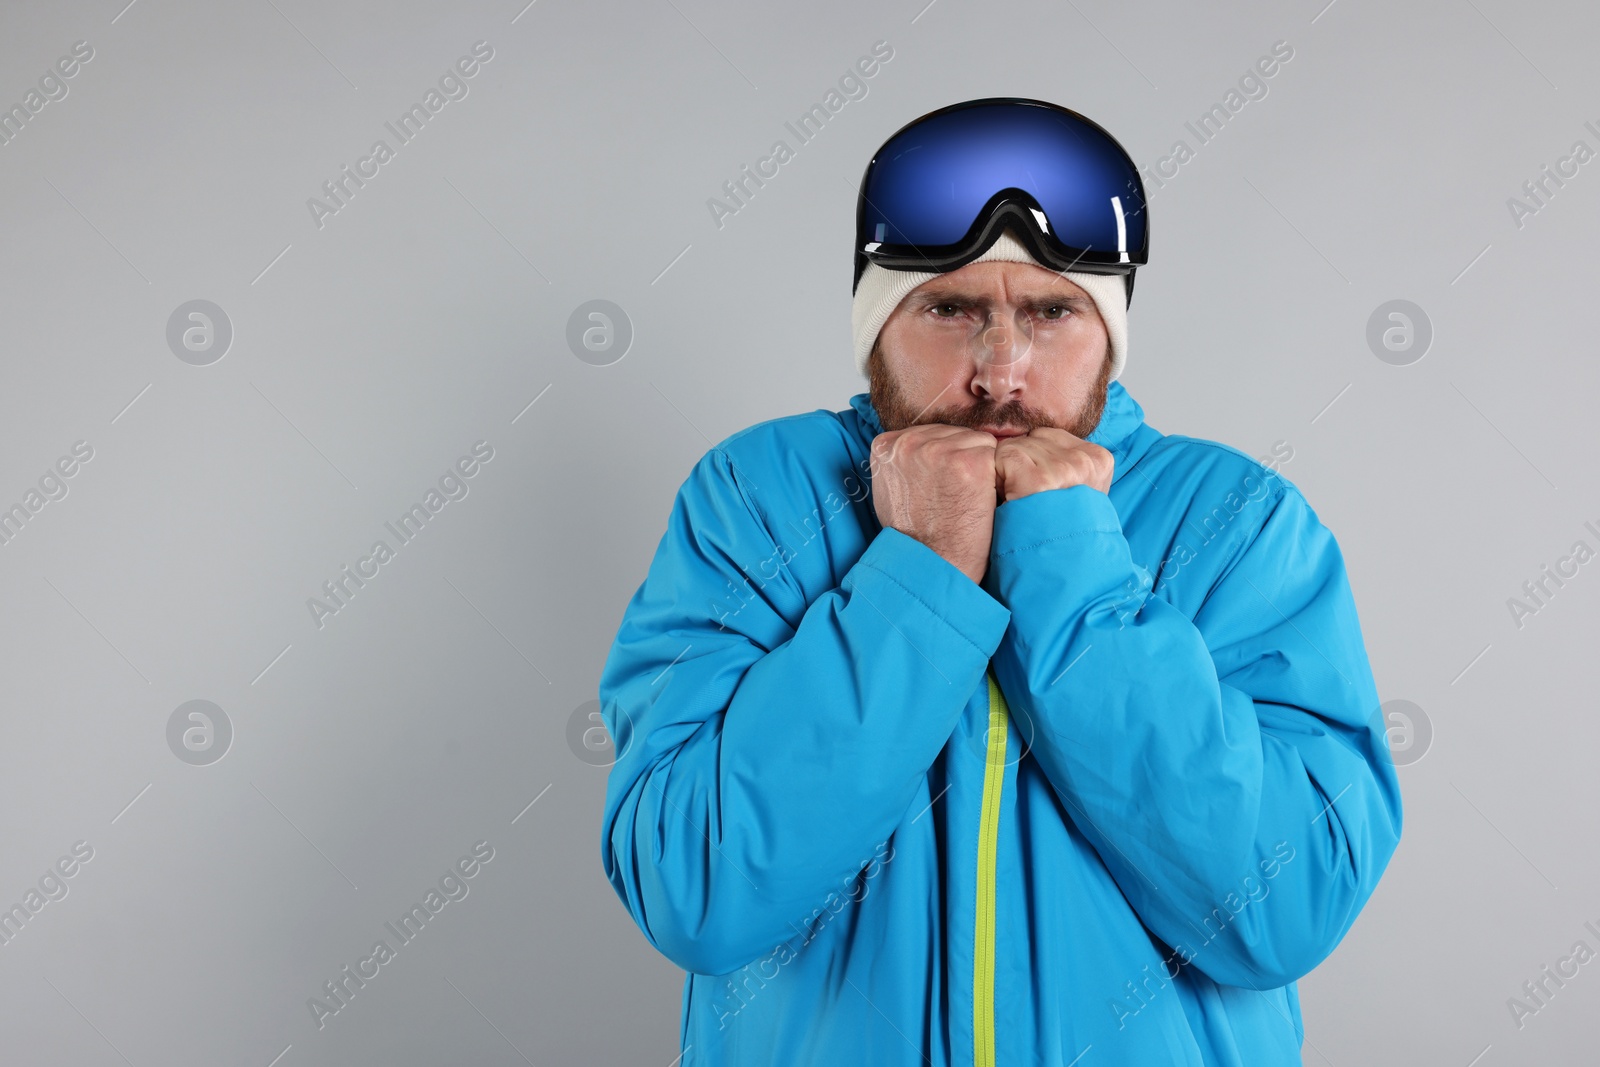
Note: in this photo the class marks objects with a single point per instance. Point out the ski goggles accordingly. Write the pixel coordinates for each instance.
(939, 192)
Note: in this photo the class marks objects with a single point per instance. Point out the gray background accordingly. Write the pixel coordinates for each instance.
(369, 354)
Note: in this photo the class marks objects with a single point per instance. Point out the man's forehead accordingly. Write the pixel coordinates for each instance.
(991, 278)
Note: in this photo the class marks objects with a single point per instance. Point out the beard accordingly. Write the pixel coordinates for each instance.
(896, 411)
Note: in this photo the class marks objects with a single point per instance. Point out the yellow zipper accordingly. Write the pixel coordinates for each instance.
(988, 833)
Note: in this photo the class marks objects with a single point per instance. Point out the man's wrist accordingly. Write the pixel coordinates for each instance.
(917, 580)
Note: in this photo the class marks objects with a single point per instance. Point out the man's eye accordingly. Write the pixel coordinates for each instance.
(1054, 312)
(938, 309)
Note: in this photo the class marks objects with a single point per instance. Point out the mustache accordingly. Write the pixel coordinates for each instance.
(1013, 414)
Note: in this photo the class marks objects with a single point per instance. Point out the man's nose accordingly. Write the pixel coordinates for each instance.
(1001, 352)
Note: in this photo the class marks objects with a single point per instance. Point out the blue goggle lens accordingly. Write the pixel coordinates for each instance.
(929, 183)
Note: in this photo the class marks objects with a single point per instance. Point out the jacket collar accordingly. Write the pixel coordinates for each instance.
(1116, 431)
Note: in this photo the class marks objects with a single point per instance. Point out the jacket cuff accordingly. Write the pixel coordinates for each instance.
(1074, 532)
(1055, 515)
(922, 593)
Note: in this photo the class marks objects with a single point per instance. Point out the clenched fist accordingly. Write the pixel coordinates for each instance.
(1048, 458)
(938, 483)
(941, 484)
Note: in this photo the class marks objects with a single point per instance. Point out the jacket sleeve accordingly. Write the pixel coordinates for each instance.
(767, 744)
(1231, 771)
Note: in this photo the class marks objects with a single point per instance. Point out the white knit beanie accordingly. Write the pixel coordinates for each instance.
(881, 291)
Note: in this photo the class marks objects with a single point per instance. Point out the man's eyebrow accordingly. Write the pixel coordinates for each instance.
(1047, 296)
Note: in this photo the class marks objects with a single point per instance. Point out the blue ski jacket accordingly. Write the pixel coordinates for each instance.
(1105, 807)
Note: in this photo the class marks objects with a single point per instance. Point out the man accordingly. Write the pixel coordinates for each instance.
(981, 723)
